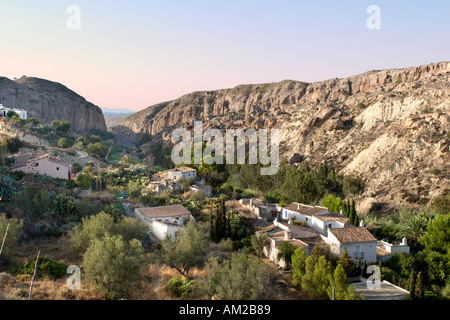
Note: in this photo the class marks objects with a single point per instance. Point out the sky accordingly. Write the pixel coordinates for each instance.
(136, 53)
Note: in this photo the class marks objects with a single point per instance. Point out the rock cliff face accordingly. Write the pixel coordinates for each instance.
(388, 127)
(48, 101)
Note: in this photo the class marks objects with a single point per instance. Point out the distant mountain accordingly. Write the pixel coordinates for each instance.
(48, 101)
(117, 112)
(389, 127)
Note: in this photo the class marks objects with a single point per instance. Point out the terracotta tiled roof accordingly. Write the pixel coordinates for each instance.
(164, 212)
(353, 234)
(334, 216)
(184, 169)
(304, 209)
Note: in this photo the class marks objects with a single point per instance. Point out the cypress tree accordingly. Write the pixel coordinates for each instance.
(419, 286)
(365, 269)
(354, 215)
(412, 286)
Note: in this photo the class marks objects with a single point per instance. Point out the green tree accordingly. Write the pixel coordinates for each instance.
(321, 278)
(259, 242)
(347, 263)
(84, 181)
(187, 250)
(114, 265)
(298, 267)
(134, 189)
(412, 286)
(353, 185)
(12, 144)
(338, 282)
(285, 251)
(186, 183)
(64, 143)
(437, 236)
(419, 286)
(95, 227)
(97, 150)
(334, 204)
(240, 278)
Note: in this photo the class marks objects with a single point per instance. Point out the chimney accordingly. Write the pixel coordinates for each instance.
(287, 235)
(251, 202)
(298, 206)
(404, 242)
(361, 224)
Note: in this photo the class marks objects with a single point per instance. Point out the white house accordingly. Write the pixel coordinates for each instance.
(317, 218)
(23, 114)
(385, 250)
(358, 241)
(182, 173)
(164, 221)
(42, 164)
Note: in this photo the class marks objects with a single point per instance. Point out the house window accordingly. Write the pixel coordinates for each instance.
(57, 168)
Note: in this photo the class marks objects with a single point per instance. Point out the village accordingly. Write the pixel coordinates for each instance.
(301, 225)
(190, 221)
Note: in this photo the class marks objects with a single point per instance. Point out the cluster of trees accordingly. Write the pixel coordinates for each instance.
(112, 252)
(93, 145)
(424, 272)
(300, 184)
(228, 225)
(348, 209)
(317, 277)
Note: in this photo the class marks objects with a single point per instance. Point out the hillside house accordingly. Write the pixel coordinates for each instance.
(262, 209)
(182, 173)
(317, 218)
(360, 243)
(23, 114)
(300, 237)
(42, 164)
(385, 250)
(164, 221)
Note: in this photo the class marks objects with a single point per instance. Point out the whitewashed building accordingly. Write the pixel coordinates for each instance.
(182, 173)
(23, 114)
(164, 221)
(42, 164)
(360, 243)
(318, 218)
(385, 250)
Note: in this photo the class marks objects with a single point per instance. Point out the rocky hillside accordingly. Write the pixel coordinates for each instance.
(389, 127)
(48, 101)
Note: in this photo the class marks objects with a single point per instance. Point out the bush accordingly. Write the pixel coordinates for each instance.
(84, 181)
(47, 268)
(76, 168)
(64, 143)
(97, 150)
(181, 287)
(114, 265)
(13, 145)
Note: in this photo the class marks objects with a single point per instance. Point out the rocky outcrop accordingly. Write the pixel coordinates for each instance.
(48, 101)
(388, 127)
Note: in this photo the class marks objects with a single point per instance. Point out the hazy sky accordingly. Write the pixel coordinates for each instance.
(132, 54)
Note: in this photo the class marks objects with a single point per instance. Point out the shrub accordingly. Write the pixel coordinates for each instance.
(181, 287)
(47, 268)
(64, 143)
(13, 145)
(76, 168)
(84, 181)
(97, 150)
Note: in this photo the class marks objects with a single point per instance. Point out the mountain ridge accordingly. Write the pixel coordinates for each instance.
(388, 127)
(48, 100)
